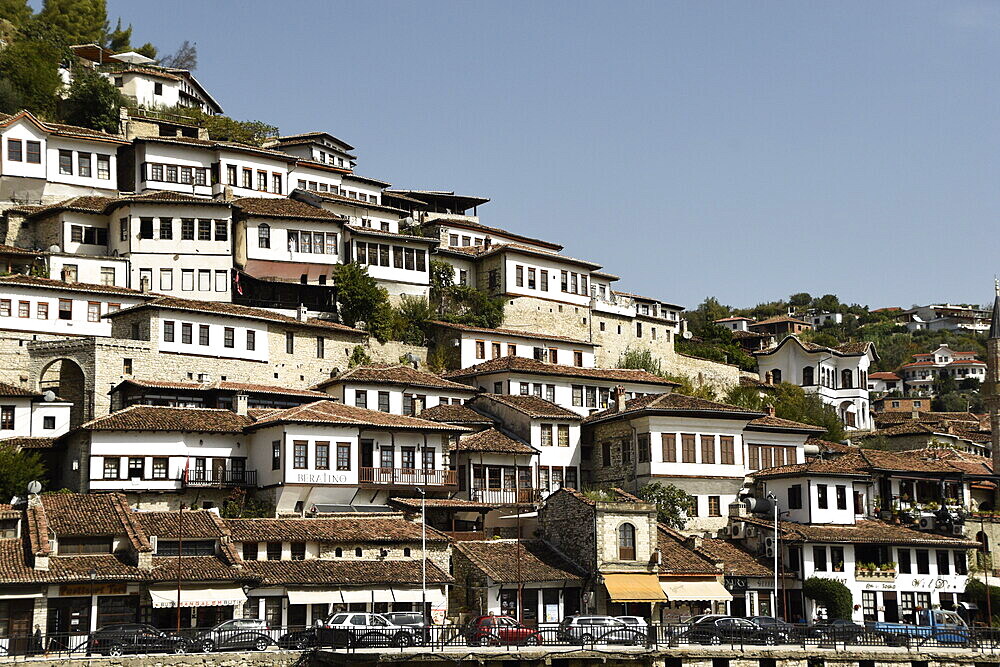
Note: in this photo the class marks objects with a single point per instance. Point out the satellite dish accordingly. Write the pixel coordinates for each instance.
(53, 248)
(49, 396)
(408, 220)
(687, 335)
(34, 486)
(15, 500)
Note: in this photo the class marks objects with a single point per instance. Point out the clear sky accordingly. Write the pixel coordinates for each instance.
(745, 150)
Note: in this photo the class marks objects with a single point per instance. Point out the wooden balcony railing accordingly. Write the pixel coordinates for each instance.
(406, 477)
(506, 496)
(219, 478)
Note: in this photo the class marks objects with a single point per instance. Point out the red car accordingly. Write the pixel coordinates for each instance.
(499, 630)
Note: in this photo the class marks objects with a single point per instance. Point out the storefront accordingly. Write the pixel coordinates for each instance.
(301, 607)
(539, 604)
(75, 610)
(17, 609)
(199, 606)
(751, 595)
(632, 594)
(686, 598)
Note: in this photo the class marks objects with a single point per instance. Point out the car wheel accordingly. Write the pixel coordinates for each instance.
(208, 646)
(401, 640)
(715, 640)
(637, 639)
(179, 648)
(116, 650)
(586, 639)
(491, 640)
(261, 644)
(302, 643)
(770, 640)
(532, 640)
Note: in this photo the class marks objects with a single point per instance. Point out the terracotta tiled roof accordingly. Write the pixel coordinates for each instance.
(535, 367)
(676, 404)
(831, 447)
(161, 418)
(862, 462)
(779, 319)
(38, 531)
(454, 414)
(36, 281)
(532, 406)
(479, 227)
(330, 412)
(855, 349)
(510, 561)
(520, 249)
(414, 504)
(510, 332)
(390, 530)
(12, 391)
(678, 558)
(25, 442)
(271, 207)
(246, 387)
(395, 374)
(768, 422)
(235, 310)
(311, 137)
(358, 230)
(851, 465)
(883, 375)
(492, 441)
(12, 250)
(735, 561)
(223, 145)
(339, 199)
(868, 531)
(85, 515)
(353, 176)
(62, 129)
(196, 568)
(344, 573)
(196, 524)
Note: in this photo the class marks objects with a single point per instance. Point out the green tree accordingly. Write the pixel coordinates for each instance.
(30, 65)
(831, 594)
(800, 300)
(243, 505)
(792, 402)
(147, 50)
(17, 12)
(11, 100)
(359, 357)
(119, 40)
(224, 128)
(17, 468)
(361, 299)
(409, 320)
(641, 359)
(93, 101)
(672, 504)
(79, 21)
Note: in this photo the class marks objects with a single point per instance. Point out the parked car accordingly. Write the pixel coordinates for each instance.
(236, 634)
(126, 638)
(939, 625)
(497, 630)
(633, 620)
(728, 630)
(839, 629)
(599, 630)
(785, 630)
(414, 620)
(299, 639)
(352, 629)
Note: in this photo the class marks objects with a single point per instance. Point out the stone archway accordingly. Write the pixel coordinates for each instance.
(65, 377)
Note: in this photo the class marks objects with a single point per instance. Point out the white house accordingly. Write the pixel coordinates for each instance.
(468, 346)
(919, 375)
(736, 323)
(838, 375)
(396, 389)
(883, 382)
(25, 413)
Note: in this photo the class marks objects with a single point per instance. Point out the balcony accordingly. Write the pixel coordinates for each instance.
(506, 496)
(379, 477)
(218, 478)
(875, 573)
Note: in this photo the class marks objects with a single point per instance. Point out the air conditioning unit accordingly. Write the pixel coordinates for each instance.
(751, 531)
(769, 552)
(769, 542)
(738, 530)
(958, 530)
(927, 523)
(724, 531)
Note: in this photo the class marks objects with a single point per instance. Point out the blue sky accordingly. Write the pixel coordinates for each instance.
(745, 150)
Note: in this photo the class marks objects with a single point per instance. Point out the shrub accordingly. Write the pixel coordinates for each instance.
(833, 595)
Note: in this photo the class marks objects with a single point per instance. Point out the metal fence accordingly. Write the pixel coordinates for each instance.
(636, 638)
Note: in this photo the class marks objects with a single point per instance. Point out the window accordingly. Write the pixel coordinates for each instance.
(668, 443)
(360, 399)
(322, 456)
(550, 393)
(837, 559)
(145, 228)
(171, 173)
(93, 311)
(707, 448)
(819, 559)
(276, 455)
(300, 454)
(187, 229)
(42, 311)
(264, 235)
(298, 551)
(159, 468)
(480, 349)
(200, 176)
(383, 401)
(168, 331)
(274, 552)
(204, 230)
(688, 454)
(34, 152)
(83, 164)
(7, 417)
(49, 423)
(250, 552)
(495, 350)
(248, 178)
(343, 456)
(727, 450)
(643, 447)
(841, 497)
(221, 230)
(546, 435)
(166, 280)
(578, 395)
(229, 337)
(66, 163)
(795, 497)
(562, 435)
(231, 174)
(626, 542)
(126, 366)
(156, 172)
(65, 309)
(276, 183)
(904, 564)
(251, 340)
(104, 167)
(14, 153)
(203, 334)
(943, 562)
(714, 506)
(289, 342)
(186, 328)
(111, 467)
(591, 397)
(24, 308)
(822, 502)
(961, 563)
(136, 467)
(519, 275)
(262, 181)
(544, 275)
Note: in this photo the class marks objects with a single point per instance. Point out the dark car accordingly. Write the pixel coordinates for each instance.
(236, 634)
(299, 639)
(729, 630)
(413, 620)
(594, 629)
(785, 630)
(839, 629)
(499, 630)
(135, 638)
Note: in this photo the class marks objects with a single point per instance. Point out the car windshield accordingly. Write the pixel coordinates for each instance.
(338, 618)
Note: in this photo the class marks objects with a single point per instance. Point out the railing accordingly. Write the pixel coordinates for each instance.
(406, 477)
(219, 478)
(506, 496)
(154, 114)
(415, 640)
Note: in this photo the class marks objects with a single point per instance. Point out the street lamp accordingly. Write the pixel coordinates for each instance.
(774, 500)
(423, 553)
(92, 573)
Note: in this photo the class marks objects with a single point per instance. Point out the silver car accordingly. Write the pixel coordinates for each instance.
(592, 629)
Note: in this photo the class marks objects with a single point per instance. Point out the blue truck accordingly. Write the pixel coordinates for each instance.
(936, 625)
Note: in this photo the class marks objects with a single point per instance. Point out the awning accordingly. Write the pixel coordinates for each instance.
(634, 588)
(312, 596)
(416, 595)
(695, 590)
(197, 596)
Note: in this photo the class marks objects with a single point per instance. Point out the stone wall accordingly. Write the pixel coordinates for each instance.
(617, 434)
(468, 594)
(721, 377)
(567, 523)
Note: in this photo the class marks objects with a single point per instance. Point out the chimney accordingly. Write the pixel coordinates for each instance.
(144, 285)
(914, 414)
(618, 396)
(240, 404)
(693, 542)
(769, 410)
(487, 241)
(302, 314)
(768, 378)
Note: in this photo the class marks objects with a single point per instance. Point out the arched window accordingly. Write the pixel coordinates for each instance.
(357, 552)
(264, 235)
(406, 551)
(626, 542)
(339, 553)
(808, 378)
(776, 376)
(846, 379)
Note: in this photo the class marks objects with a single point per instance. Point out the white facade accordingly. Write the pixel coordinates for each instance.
(919, 375)
(401, 400)
(61, 308)
(207, 335)
(33, 417)
(92, 270)
(477, 346)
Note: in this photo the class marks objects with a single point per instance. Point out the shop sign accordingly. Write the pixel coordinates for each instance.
(320, 478)
(735, 583)
(77, 590)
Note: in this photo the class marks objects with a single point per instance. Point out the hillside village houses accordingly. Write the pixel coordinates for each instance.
(170, 342)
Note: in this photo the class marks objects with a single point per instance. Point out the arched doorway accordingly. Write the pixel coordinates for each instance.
(66, 379)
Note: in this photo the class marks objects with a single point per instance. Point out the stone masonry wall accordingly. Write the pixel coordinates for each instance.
(721, 377)
(567, 523)
(612, 473)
